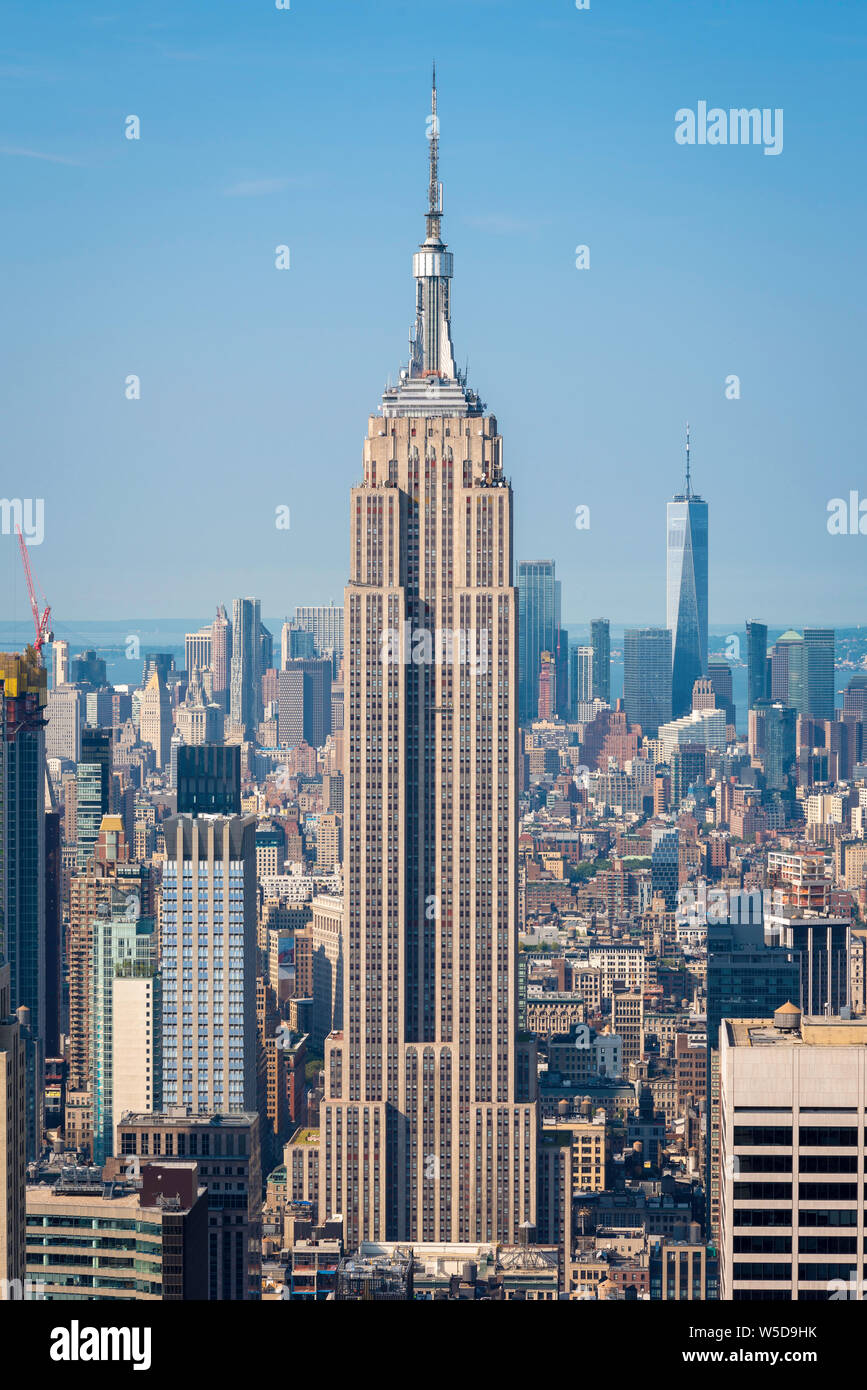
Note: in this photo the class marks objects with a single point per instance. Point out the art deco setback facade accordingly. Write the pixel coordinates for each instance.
(428, 1127)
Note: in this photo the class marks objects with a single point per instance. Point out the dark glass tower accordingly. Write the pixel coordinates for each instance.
(817, 675)
(757, 663)
(780, 750)
(209, 780)
(538, 626)
(647, 677)
(93, 790)
(686, 592)
(23, 695)
(245, 693)
(600, 641)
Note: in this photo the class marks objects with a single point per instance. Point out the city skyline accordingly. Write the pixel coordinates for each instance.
(493, 925)
(638, 196)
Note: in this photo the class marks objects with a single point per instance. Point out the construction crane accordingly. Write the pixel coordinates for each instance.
(40, 623)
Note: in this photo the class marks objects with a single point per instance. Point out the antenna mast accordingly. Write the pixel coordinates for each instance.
(434, 192)
(688, 490)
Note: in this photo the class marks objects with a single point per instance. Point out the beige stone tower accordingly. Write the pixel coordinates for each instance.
(155, 725)
(429, 1123)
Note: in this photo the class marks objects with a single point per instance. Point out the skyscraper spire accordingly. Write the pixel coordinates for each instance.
(432, 384)
(434, 199)
(433, 266)
(427, 1071)
(686, 589)
(688, 491)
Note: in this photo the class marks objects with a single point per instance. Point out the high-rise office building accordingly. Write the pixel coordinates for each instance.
(600, 641)
(786, 669)
(561, 661)
(209, 780)
(197, 650)
(208, 963)
(817, 673)
(54, 961)
(155, 718)
(13, 1157)
(538, 626)
(745, 979)
(778, 752)
(110, 868)
(686, 606)
(161, 662)
(221, 658)
(719, 675)
(757, 662)
(547, 686)
(295, 641)
(328, 965)
(63, 732)
(266, 655)
(706, 726)
(792, 1151)
(246, 685)
(581, 681)
(93, 790)
(304, 702)
(98, 707)
(855, 696)
(88, 669)
(270, 849)
(227, 1150)
(23, 696)
(665, 864)
(820, 944)
(124, 1018)
(627, 1023)
(688, 769)
(147, 1236)
(60, 652)
(198, 722)
(429, 1122)
(329, 843)
(325, 625)
(647, 677)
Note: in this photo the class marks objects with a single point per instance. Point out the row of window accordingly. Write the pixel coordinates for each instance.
(807, 1191)
(808, 1272)
(809, 1136)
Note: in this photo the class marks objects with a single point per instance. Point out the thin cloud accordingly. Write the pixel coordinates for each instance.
(38, 154)
(256, 188)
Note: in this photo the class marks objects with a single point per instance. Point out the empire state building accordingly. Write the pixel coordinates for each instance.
(428, 1127)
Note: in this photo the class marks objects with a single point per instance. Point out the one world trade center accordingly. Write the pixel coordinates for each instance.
(686, 608)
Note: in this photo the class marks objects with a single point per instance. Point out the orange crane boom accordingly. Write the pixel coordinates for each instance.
(40, 623)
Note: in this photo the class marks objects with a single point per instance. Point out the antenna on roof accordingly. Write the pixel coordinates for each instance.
(688, 492)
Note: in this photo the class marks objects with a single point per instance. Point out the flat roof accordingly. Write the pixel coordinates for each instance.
(815, 1031)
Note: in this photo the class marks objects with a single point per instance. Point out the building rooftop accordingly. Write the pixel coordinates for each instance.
(179, 1115)
(814, 1032)
(305, 1136)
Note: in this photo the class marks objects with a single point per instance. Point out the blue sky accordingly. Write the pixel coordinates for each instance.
(306, 127)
